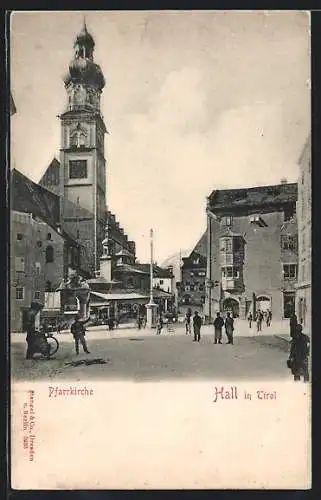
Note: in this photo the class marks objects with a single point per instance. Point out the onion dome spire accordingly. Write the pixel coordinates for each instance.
(85, 41)
(82, 68)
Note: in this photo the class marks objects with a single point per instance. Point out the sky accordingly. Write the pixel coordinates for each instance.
(194, 101)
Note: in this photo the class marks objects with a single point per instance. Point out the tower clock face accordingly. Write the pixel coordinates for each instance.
(77, 169)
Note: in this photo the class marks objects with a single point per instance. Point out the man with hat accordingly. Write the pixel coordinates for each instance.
(197, 323)
(35, 308)
(78, 330)
(299, 354)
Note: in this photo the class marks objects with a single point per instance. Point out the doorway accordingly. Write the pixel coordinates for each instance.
(232, 306)
(263, 303)
(288, 304)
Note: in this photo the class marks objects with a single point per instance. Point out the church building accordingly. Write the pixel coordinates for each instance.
(79, 178)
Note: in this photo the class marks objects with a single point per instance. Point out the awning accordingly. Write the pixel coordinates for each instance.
(118, 296)
(99, 304)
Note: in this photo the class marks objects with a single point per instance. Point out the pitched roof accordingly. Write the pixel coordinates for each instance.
(29, 197)
(123, 253)
(188, 262)
(126, 268)
(158, 292)
(51, 177)
(201, 245)
(158, 272)
(118, 295)
(255, 197)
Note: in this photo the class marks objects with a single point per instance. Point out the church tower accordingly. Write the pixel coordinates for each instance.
(83, 164)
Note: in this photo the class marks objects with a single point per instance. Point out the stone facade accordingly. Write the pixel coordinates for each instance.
(304, 215)
(40, 258)
(252, 251)
(191, 288)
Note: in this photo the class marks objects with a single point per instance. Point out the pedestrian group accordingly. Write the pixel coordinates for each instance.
(297, 361)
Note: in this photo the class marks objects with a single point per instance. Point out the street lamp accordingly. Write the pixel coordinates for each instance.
(151, 307)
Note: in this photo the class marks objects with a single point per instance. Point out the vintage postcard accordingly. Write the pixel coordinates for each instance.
(160, 323)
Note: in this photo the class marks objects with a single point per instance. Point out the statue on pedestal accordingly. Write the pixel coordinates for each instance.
(76, 294)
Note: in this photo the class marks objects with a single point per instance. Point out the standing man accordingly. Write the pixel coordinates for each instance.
(259, 318)
(299, 354)
(293, 325)
(250, 319)
(35, 308)
(160, 324)
(78, 330)
(229, 328)
(218, 325)
(111, 322)
(188, 321)
(269, 320)
(197, 323)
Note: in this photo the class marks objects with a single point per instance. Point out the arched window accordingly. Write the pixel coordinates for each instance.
(49, 254)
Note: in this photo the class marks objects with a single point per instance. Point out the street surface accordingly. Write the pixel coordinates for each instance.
(141, 355)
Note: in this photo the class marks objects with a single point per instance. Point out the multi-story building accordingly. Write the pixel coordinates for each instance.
(191, 288)
(304, 214)
(252, 256)
(42, 254)
(40, 257)
(163, 279)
